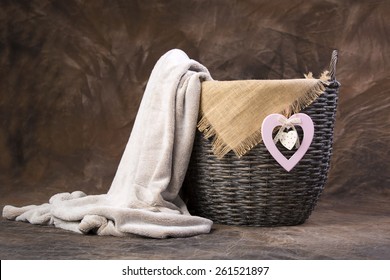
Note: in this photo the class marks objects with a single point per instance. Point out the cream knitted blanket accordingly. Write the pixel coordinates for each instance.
(143, 198)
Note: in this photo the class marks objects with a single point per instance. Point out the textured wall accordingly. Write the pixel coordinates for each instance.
(72, 74)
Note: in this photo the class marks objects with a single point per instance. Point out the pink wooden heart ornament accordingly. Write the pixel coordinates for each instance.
(274, 120)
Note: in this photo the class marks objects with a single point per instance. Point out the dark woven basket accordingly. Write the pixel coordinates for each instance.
(255, 190)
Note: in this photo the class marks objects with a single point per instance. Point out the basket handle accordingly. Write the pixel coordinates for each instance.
(332, 65)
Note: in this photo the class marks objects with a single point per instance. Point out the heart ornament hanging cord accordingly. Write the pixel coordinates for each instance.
(274, 120)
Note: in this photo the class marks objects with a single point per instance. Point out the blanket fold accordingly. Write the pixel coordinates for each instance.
(144, 196)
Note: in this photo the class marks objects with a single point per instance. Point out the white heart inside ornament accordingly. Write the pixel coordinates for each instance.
(274, 120)
(289, 139)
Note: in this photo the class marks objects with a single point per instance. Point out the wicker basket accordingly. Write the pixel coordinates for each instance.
(255, 190)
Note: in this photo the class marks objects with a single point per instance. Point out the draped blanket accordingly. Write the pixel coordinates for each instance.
(143, 198)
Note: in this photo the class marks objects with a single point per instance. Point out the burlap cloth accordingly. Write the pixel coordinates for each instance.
(232, 111)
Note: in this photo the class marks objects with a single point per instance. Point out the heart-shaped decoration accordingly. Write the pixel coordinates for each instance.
(288, 139)
(274, 120)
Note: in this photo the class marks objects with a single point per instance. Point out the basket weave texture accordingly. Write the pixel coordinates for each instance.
(255, 190)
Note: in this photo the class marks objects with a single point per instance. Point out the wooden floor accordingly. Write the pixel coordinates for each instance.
(337, 229)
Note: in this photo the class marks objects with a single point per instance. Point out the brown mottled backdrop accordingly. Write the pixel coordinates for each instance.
(72, 74)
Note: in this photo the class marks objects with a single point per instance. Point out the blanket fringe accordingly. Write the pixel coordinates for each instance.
(305, 100)
(205, 127)
(248, 144)
(219, 147)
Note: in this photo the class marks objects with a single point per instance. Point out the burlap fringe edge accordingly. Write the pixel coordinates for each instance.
(220, 148)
